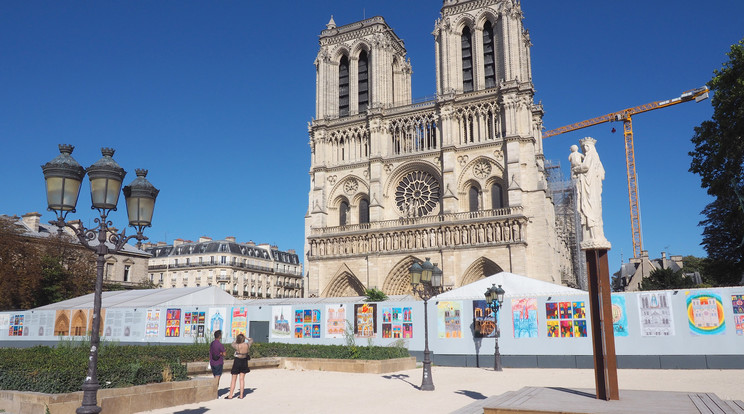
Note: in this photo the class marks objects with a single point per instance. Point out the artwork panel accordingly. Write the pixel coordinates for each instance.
(737, 304)
(449, 319)
(553, 329)
(566, 329)
(298, 331)
(335, 321)
(280, 327)
(152, 323)
(579, 328)
(407, 330)
(299, 316)
(705, 313)
(619, 316)
(239, 321)
(217, 321)
(655, 314)
(739, 324)
(484, 320)
(579, 310)
(365, 320)
(566, 310)
(387, 315)
(408, 314)
(551, 310)
(387, 330)
(524, 317)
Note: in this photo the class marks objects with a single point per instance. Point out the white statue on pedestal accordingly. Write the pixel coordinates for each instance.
(589, 173)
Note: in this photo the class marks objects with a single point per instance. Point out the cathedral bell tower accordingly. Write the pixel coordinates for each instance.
(459, 178)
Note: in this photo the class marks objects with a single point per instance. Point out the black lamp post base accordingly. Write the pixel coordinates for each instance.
(89, 406)
(427, 384)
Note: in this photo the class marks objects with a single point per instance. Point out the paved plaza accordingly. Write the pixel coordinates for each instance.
(289, 391)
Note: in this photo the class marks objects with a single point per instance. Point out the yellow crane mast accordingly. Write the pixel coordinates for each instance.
(625, 116)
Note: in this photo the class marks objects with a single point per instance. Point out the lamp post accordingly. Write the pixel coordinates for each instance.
(63, 177)
(426, 281)
(494, 298)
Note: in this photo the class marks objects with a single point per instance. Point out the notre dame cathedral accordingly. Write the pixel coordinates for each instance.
(460, 179)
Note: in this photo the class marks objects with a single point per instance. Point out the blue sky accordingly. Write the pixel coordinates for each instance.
(214, 99)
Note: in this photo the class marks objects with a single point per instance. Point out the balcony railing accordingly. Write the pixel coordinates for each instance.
(267, 269)
(415, 221)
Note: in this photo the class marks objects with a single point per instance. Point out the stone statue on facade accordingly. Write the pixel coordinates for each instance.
(588, 174)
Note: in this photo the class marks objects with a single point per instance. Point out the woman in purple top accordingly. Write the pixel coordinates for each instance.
(216, 354)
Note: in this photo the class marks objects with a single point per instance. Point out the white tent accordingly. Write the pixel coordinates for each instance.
(513, 285)
(188, 296)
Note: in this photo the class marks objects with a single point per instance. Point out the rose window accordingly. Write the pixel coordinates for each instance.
(417, 194)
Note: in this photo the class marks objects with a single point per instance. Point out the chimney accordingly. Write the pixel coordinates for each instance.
(678, 260)
(161, 244)
(177, 242)
(203, 239)
(251, 243)
(644, 254)
(32, 220)
(291, 251)
(231, 239)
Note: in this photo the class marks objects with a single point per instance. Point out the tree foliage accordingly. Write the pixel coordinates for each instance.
(661, 279)
(375, 295)
(718, 158)
(39, 271)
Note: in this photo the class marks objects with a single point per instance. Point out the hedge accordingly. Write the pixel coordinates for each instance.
(62, 369)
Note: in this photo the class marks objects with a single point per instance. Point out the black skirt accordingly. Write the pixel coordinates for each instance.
(240, 366)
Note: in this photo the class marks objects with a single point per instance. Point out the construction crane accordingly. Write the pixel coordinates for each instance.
(625, 115)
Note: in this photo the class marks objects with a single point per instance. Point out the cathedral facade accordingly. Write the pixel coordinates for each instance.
(459, 179)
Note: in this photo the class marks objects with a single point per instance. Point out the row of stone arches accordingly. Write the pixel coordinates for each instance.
(398, 282)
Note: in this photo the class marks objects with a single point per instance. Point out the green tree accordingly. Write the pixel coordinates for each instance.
(718, 158)
(661, 279)
(38, 271)
(375, 295)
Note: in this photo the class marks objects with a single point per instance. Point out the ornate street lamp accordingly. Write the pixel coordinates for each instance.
(426, 281)
(494, 298)
(63, 177)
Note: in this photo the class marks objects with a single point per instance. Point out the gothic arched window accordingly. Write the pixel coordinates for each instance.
(473, 198)
(342, 210)
(497, 197)
(467, 60)
(343, 87)
(363, 211)
(489, 64)
(363, 82)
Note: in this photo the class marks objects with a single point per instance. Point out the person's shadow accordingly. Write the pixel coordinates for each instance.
(223, 392)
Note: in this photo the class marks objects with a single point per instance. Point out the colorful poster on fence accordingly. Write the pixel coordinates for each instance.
(393, 320)
(365, 320)
(152, 323)
(524, 316)
(193, 324)
(307, 323)
(484, 320)
(280, 317)
(619, 316)
(172, 323)
(16, 327)
(566, 319)
(239, 322)
(737, 302)
(449, 319)
(655, 313)
(335, 321)
(217, 321)
(705, 313)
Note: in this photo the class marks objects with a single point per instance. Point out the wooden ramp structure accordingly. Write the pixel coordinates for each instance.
(555, 400)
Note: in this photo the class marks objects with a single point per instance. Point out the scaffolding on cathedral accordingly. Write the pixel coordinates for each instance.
(567, 223)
